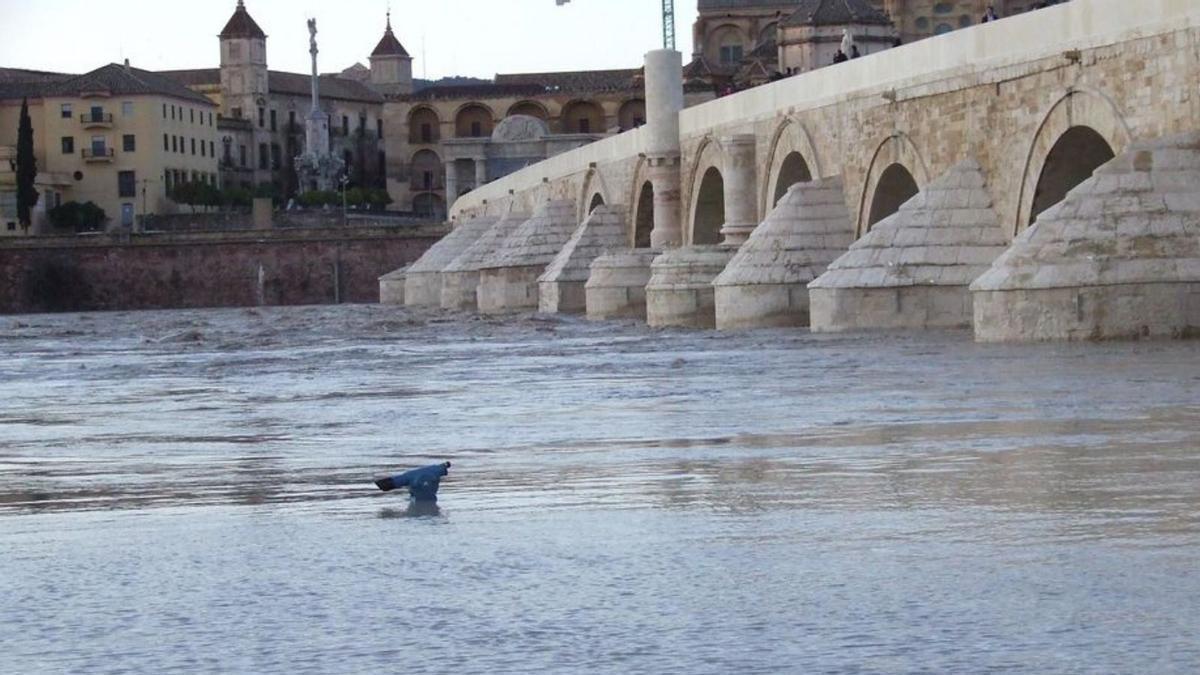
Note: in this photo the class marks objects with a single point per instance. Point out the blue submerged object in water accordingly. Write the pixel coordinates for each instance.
(422, 483)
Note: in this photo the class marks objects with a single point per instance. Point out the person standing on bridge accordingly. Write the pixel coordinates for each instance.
(990, 14)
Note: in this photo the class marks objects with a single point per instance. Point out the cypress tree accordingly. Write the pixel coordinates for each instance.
(27, 197)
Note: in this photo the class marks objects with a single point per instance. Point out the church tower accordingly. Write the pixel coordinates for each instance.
(391, 66)
(243, 66)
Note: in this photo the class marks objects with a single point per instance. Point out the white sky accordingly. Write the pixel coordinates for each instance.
(445, 37)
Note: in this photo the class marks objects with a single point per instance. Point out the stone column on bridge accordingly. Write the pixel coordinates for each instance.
(664, 100)
(451, 184)
(741, 214)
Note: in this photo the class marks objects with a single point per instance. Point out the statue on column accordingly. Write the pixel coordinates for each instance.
(318, 168)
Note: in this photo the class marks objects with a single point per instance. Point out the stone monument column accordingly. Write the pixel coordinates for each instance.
(664, 100)
(451, 183)
(741, 214)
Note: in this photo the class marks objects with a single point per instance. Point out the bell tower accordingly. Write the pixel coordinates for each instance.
(391, 66)
(243, 65)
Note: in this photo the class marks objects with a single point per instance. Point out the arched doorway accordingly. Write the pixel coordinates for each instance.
(896, 185)
(582, 117)
(632, 114)
(1072, 160)
(710, 209)
(426, 172)
(531, 109)
(794, 170)
(597, 201)
(424, 127)
(643, 222)
(474, 120)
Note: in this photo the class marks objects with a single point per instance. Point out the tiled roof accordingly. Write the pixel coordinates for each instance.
(578, 81)
(121, 80)
(475, 91)
(292, 84)
(241, 25)
(836, 13)
(744, 4)
(389, 45)
(21, 83)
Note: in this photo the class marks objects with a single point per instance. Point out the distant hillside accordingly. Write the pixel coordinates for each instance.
(419, 84)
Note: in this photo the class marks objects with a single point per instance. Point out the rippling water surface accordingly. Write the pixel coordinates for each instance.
(191, 492)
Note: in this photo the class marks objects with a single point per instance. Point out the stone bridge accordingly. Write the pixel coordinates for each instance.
(1034, 178)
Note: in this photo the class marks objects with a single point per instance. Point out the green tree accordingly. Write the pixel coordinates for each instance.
(27, 196)
(77, 217)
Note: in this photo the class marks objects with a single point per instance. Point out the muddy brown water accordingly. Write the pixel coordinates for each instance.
(191, 492)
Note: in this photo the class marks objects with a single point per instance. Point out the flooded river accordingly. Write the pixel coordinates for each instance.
(191, 492)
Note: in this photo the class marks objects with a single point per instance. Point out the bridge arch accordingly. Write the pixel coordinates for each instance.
(641, 215)
(792, 159)
(1068, 146)
(885, 187)
(530, 108)
(594, 193)
(705, 205)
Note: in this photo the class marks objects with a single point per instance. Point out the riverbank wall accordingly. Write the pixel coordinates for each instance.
(210, 269)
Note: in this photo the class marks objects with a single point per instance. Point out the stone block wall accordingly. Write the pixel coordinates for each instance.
(214, 270)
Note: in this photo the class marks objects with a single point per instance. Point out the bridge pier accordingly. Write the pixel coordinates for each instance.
(912, 270)
(423, 280)
(1119, 258)
(508, 280)
(460, 278)
(616, 288)
(766, 283)
(561, 286)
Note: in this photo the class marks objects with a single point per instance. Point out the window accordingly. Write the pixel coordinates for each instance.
(68, 145)
(585, 125)
(262, 117)
(210, 118)
(126, 184)
(346, 125)
(291, 120)
(174, 144)
(942, 29)
(276, 157)
(164, 111)
(129, 143)
(192, 115)
(731, 54)
(362, 122)
(237, 113)
(242, 155)
(172, 112)
(476, 129)
(166, 143)
(379, 128)
(426, 133)
(922, 23)
(212, 149)
(193, 147)
(203, 149)
(96, 114)
(427, 180)
(127, 109)
(274, 124)
(66, 111)
(263, 156)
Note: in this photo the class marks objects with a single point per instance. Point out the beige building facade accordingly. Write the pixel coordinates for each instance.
(119, 137)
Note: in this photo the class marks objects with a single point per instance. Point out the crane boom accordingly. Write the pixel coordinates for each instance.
(668, 24)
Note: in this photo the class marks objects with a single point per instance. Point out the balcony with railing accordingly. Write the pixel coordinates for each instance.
(96, 120)
(98, 154)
